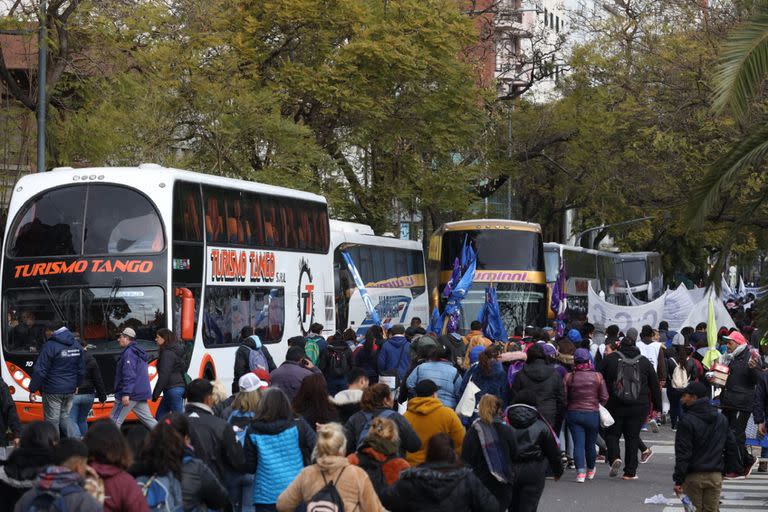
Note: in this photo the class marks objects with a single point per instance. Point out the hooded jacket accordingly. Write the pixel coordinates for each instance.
(9, 419)
(289, 376)
(214, 440)
(347, 402)
(122, 492)
(131, 377)
(649, 382)
(276, 452)
(395, 355)
(438, 488)
(19, 473)
(60, 366)
(241, 359)
(739, 390)
(351, 482)
(494, 383)
(409, 440)
(533, 438)
(171, 368)
(545, 381)
(428, 416)
(92, 383)
(702, 439)
(60, 480)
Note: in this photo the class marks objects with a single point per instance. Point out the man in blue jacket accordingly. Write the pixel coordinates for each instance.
(394, 356)
(56, 374)
(132, 389)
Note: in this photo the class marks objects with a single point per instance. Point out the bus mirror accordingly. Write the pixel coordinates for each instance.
(187, 313)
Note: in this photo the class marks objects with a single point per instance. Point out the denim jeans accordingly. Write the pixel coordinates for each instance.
(240, 489)
(173, 401)
(140, 409)
(584, 426)
(56, 409)
(81, 406)
(675, 408)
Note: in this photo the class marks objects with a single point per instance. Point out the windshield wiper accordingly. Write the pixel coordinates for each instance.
(111, 297)
(56, 307)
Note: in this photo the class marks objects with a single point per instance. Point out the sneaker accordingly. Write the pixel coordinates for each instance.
(644, 428)
(763, 467)
(646, 456)
(615, 467)
(734, 476)
(654, 426)
(600, 459)
(591, 474)
(629, 477)
(580, 477)
(571, 464)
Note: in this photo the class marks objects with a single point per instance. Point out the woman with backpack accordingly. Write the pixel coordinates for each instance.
(378, 454)
(331, 479)
(278, 445)
(585, 391)
(377, 401)
(313, 403)
(34, 454)
(488, 375)
(170, 374)
(250, 355)
(335, 361)
(488, 449)
(110, 455)
(682, 369)
(366, 355)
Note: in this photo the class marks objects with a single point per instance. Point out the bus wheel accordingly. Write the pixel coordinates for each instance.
(209, 374)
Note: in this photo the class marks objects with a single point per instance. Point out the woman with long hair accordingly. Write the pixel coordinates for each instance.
(278, 445)
(170, 373)
(442, 483)
(35, 452)
(313, 403)
(682, 370)
(110, 455)
(488, 375)
(377, 401)
(351, 482)
(488, 449)
(378, 456)
(585, 392)
(366, 355)
(474, 341)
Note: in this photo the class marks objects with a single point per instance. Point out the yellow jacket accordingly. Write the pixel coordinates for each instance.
(428, 416)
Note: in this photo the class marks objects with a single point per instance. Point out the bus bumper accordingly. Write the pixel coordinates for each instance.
(33, 411)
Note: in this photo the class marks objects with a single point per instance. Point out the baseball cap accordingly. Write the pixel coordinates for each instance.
(736, 337)
(129, 332)
(250, 382)
(696, 389)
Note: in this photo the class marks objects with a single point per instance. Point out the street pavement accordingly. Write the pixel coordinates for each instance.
(604, 494)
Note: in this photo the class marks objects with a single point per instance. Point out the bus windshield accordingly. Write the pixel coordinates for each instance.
(497, 249)
(634, 272)
(520, 304)
(552, 264)
(96, 315)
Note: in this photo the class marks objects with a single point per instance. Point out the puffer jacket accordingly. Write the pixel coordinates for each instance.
(739, 390)
(60, 366)
(702, 440)
(131, 377)
(533, 438)
(542, 379)
(409, 440)
(19, 472)
(650, 392)
(276, 452)
(241, 359)
(170, 369)
(442, 373)
(438, 488)
(92, 383)
(60, 480)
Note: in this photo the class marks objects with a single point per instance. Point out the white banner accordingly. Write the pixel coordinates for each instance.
(700, 312)
(602, 314)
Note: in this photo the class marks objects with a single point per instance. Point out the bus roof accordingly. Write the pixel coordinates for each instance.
(342, 226)
(553, 246)
(138, 177)
(514, 225)
(340, 237)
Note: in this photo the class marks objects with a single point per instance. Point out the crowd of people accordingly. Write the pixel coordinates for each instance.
(400, 420)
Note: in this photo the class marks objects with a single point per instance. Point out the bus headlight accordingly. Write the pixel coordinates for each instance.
(18, 375)
(152, 370)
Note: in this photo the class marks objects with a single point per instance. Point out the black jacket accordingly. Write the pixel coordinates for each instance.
(649, 382)
(9, 419)
(92, 382)
(170, 369)
(19, 473)
(438, 488)
(533, 439)
(409, 440)
(241, 360)
(702, 439)
(324, 362)
(472, 454)
(200, 489)
(761, 399)
(739, 391)
(214, 441)
(368, 362)
(543, 379)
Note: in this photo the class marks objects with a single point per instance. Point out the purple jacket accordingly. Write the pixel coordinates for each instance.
(131, 377)
(288, 377)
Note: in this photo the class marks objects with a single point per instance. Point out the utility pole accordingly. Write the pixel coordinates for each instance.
(42, 44)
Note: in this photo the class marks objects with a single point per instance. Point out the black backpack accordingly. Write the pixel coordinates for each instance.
(374, 469)
(338, 362)
(327, 499)
(627, 385)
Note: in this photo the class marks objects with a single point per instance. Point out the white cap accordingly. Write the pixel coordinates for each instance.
(129, 332)
(251, 382)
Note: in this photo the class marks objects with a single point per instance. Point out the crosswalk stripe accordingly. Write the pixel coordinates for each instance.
(754, 487)
(760, 508)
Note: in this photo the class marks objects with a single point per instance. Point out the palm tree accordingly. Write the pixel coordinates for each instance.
(739, 77)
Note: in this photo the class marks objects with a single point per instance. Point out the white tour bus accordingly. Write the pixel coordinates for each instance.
(108, 248)
(392, 271)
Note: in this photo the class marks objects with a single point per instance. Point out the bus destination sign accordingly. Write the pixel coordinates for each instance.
(242, 266)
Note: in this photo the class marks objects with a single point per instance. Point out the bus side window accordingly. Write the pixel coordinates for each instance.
(256, 222)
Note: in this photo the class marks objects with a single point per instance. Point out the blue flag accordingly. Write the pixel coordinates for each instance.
(361, 288)
(490, 317)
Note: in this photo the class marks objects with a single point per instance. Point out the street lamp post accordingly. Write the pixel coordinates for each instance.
(598, 228)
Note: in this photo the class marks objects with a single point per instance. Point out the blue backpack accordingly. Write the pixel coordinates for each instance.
(162, 492)
(257, 359)
(52, 500)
